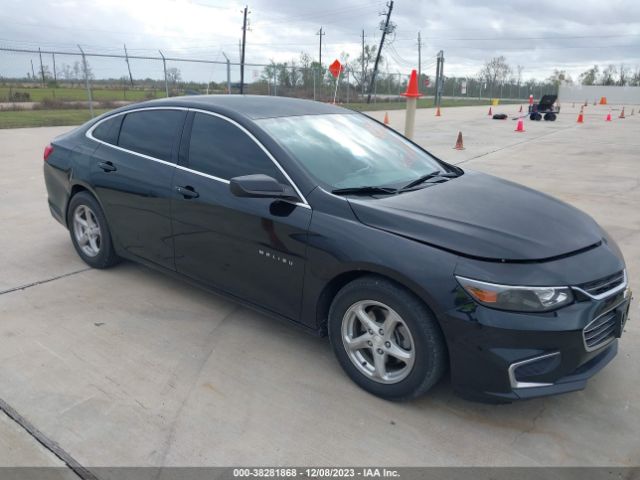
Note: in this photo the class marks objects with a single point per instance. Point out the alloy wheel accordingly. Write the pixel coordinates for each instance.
(87, 230)
(378, 341)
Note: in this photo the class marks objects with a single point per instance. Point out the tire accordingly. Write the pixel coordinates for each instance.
(416, 334)
(92, 240)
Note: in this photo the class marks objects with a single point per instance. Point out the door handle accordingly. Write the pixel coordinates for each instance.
(107, 166)
(187, 192)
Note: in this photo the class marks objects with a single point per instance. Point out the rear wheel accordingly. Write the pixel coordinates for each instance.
(89, 232)
(386, 339)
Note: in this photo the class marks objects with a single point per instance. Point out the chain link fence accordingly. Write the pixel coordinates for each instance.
(81, 79)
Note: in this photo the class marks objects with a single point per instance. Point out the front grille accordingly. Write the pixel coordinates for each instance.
(602, 285)
(600, 331)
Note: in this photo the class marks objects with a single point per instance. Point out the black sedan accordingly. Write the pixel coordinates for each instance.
(324, 217)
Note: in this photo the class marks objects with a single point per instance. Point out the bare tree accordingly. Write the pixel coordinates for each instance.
(558, 77)
(623, 75)
(495, 72)
(173, 76)
(356, 66)
(590, 77)
(608, 75)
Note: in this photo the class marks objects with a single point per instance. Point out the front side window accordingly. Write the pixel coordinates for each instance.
(219, 148)
(151, 132)
(350, 150)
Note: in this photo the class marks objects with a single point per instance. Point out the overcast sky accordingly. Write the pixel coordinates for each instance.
(541, 35)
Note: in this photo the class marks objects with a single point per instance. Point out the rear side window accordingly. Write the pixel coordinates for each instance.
(151, 132)
(219, 148)
(108, 130)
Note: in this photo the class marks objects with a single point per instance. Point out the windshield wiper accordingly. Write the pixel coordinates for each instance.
(365, 189)
(428, 176)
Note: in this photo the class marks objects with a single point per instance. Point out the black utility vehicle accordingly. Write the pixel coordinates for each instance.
(545, 108)
(326, 218)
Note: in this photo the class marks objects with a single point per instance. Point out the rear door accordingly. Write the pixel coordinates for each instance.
(132, 173)
(253, 248)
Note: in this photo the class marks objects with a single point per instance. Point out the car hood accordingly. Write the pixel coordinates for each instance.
(482, 216)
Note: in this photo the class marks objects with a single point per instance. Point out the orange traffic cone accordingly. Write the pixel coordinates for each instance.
(490, 113)
(608, 119)
(386, 118)
(520, 127)
(622, 113)
(438, 112)
(459, 144)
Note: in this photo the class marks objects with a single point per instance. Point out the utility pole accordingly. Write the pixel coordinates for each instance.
(363, 74)
(33, 72)
(41, 67)
(387, 28)
(439, 79)
(419, 61)
(126, 58)
(244, 45)
(320, 34)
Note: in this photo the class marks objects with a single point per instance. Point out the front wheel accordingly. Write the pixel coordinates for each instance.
(386, 339)
(89, 231)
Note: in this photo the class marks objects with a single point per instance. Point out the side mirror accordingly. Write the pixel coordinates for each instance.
(260, 186)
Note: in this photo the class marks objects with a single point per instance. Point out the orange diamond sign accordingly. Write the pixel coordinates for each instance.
(335, 68)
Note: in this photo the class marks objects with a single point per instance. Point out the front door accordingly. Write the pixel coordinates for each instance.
(253, 248)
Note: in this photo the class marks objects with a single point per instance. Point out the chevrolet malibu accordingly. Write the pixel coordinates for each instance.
(328, 219)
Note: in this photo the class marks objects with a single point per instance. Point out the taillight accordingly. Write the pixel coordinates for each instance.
(48, 150)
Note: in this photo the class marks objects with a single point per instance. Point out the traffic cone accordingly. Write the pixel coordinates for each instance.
(520, 127)
(386, 118)
(608, 119)
(622, 113)
(580, 117)
(490, 113)
(459, 144)
(438, 111)
(520, 109)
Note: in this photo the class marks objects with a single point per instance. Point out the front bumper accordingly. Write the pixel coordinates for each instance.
(499, 356)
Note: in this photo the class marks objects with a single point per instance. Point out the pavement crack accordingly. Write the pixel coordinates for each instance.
(46, 442)
(46, 280)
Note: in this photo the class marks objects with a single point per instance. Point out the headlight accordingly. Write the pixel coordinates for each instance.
(520, 299)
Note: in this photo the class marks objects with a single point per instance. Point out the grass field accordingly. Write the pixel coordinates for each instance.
(45, 118)
(38, 94)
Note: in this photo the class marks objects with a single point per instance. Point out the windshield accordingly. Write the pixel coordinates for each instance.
(350, 150)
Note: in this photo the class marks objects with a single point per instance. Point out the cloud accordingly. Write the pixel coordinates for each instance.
(541, 36)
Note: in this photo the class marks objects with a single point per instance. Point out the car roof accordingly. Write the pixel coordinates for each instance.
(250, 106)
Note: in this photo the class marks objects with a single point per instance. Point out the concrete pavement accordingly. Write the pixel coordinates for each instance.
(128, 367)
